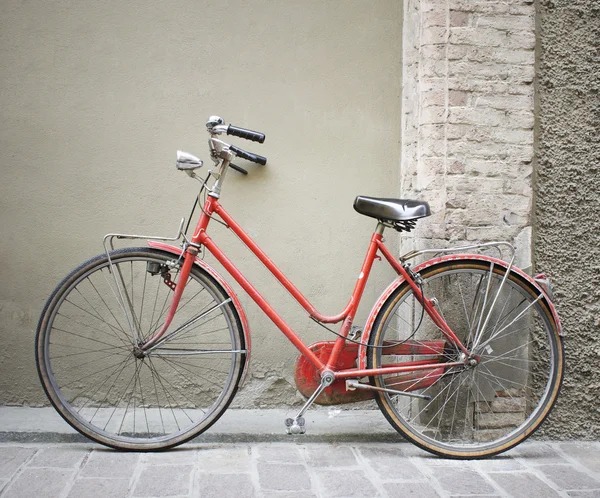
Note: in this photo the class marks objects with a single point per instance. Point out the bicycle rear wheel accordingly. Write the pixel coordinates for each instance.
(480, 409)
(100, 382)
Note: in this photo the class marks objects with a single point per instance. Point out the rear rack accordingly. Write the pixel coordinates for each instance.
(470, 248)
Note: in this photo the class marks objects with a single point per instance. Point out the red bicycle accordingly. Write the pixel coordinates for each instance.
(144, 348)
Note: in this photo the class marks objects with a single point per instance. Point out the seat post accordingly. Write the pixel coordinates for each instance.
(380, 228)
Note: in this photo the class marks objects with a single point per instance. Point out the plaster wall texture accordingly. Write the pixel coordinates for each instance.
(97, 96)
(567, 204)
(468, 118)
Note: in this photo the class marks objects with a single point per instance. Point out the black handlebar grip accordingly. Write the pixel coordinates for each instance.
(247, 134)
(255, 158)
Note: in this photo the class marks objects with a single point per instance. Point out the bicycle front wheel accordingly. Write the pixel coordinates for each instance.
(98, 379)
(490, 403)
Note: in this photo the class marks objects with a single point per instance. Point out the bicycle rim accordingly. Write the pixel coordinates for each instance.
(101, 384)
(478, 410)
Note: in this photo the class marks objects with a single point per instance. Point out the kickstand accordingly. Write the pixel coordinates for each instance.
(297, 425)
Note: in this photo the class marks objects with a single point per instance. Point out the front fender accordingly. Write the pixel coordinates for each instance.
(217, 276)
(362, 350)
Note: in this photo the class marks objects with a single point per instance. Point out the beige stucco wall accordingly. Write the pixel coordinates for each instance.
(95, 98)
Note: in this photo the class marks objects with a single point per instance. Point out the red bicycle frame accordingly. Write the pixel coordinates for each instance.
(201, 238)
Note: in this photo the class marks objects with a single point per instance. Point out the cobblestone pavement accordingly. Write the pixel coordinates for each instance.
(294, 469)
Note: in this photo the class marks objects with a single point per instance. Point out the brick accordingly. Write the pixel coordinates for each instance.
(432, 131)
(499, 420)
(476, 167)
(434, 18)
(487, 117)
(429, 147)
(459, 19)
(481, 7)
(433, 98)
(471, 71)
(437, 52)
(458, 98)
(504, 135)
(520, 10)
(500, 55)
(457, 52)
(506, 405)
(505, 102)
(477, 36)
(434, 36)
(510, 22)
(433, 115)
(432, 68)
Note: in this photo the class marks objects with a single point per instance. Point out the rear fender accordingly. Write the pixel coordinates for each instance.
(235, 301)
(362, 350)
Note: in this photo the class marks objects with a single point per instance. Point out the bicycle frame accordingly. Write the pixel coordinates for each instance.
(201, 238)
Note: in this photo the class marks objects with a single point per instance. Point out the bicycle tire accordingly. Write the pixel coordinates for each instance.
(86, 357)
(500, 401)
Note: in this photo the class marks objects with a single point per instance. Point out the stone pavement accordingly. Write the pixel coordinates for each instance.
(345, 464)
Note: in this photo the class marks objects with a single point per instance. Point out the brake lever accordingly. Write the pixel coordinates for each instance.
(238, 168)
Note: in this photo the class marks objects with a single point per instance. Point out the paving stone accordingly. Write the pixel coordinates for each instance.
(520, 483)
(335, 456)
(225, 485)
(3, 482)
(390, 464)
(288, 494)
(463, 481)
(416, 489)
(226, 459)
(100, 488)
(346, 483)
(39, 482)
(589, 493)
(499, 464)
(164, 480)
(284, 477)
(11, 458)
(567, 477)
(179, 456)
(537, 453)
(58, 458)
(586, 453)
(110, 464)
(280, 454)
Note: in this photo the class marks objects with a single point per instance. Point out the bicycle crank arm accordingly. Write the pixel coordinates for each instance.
(354, 384)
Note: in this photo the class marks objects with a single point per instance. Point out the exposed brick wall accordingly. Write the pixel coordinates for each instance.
(468, 118)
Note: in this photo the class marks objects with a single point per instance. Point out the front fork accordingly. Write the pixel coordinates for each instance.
(190, 256)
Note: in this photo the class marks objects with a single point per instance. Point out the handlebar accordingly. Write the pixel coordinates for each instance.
(255, 136)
